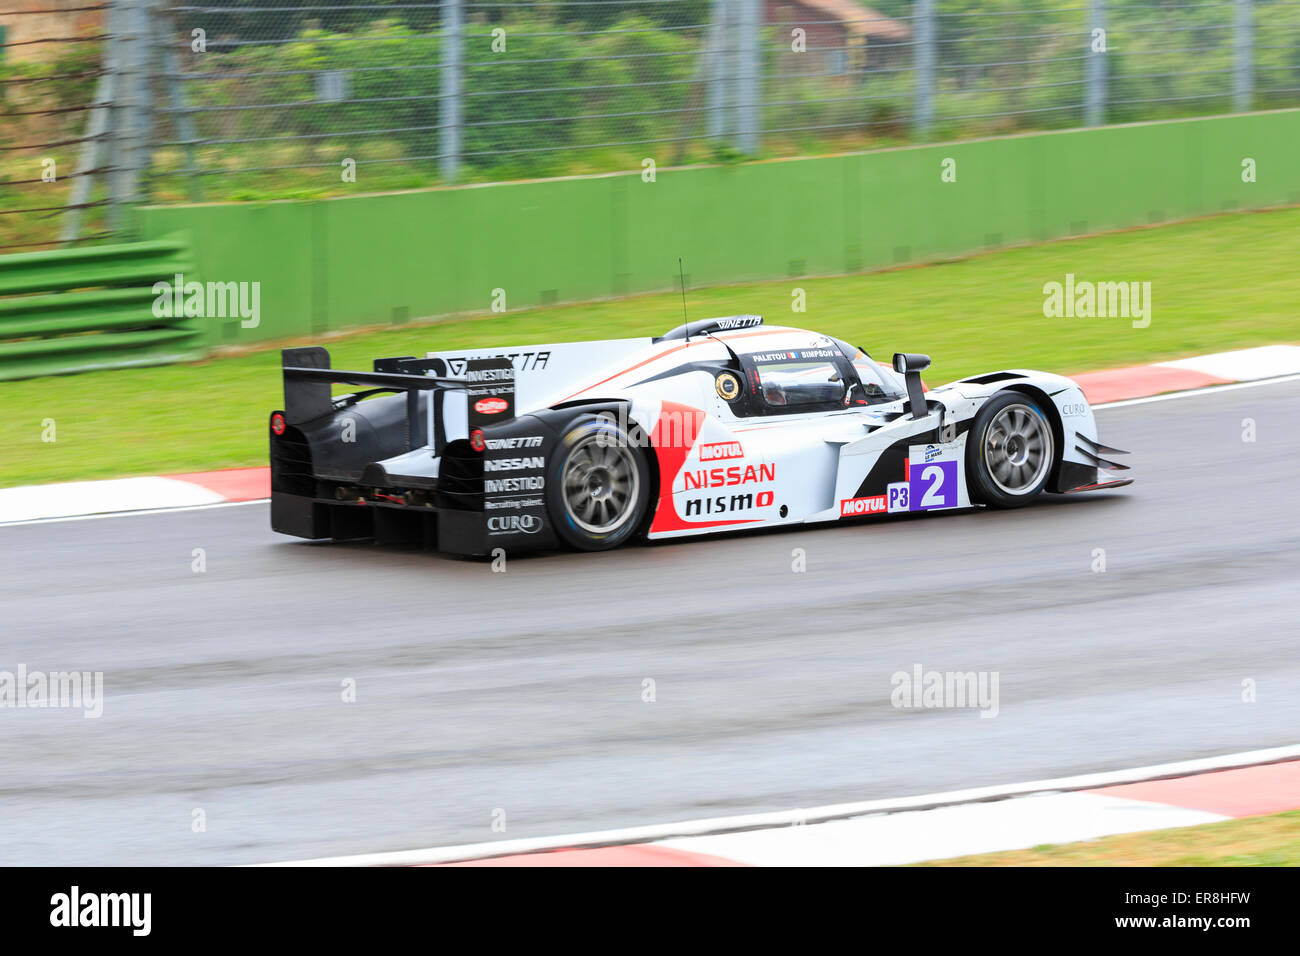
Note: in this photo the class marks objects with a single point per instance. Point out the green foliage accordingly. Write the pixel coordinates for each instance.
(523, 107)
(595, 87)
(28, 89)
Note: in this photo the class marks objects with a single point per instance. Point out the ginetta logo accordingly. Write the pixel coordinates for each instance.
(738, 321)
(521, 441)
(718, 450)
(862, 506)
(508, 524)
(491, 406)
(523, 361)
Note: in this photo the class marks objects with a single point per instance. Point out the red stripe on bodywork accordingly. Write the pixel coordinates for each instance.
(667, 352)
(1245, 792)
(673, 438)
(633, 855)
(233, 484)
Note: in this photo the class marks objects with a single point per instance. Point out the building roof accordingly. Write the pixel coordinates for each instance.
(860, 20)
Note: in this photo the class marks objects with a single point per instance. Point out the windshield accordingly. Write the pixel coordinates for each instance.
(876, 386)
(785, 383)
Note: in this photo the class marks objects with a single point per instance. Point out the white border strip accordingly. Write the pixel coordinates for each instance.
(1193, 392)
(129, 514)
(753, 821)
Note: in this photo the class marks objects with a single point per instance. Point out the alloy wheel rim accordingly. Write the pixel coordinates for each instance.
(600, 484)
(1017, 449)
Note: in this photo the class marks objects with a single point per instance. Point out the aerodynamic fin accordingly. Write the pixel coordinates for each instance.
(1093, 451)
(1099, 449)
(1096, 485)
(1099, 461)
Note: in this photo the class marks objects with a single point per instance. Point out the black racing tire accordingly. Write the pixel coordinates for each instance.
(1010, 451)
(597, 485)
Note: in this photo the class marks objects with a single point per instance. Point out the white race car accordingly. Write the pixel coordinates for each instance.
(720, 425)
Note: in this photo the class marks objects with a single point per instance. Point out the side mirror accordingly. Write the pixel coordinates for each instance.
(910, 365)
(905, 362)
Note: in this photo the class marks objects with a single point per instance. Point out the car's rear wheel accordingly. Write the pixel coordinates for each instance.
(598, 488)
(1010, 451)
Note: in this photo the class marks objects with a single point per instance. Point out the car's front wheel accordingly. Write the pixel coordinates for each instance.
(598, 486)
(1010, 451)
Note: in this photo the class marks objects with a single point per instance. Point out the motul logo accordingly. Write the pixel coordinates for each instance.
(491, 406)
(721, 449)
(862, 506)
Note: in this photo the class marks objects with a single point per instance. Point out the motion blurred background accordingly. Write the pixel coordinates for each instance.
(386, 164)
(398, 177)
(156, 101)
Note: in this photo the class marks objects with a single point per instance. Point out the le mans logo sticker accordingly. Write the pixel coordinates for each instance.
(491, 406)
(728, 387)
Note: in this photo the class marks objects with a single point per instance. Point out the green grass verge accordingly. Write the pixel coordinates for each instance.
(1254, 841)
(1221, 283)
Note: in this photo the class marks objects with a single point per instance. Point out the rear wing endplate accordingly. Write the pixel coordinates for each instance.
(483, 394)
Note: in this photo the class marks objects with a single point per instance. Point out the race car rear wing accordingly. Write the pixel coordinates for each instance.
(482, 393)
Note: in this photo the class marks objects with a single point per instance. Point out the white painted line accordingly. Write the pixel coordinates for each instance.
(132, 514)
(1195, 392)
(31, 502)
(911, 837)
(1244, 365)
(785, 818)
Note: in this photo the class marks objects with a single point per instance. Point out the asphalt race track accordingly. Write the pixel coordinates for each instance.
(522, 691)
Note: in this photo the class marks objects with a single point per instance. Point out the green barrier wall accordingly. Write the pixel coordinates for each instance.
(78, 310)
(331, 264)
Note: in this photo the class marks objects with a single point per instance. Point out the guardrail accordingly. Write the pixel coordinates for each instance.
(77, 310)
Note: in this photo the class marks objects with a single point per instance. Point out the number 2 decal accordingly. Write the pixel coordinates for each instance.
(935, 486)
(932, 498)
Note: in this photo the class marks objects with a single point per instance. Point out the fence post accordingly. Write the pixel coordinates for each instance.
(715, 51)
(923, 68)
(1094, 110)
(146, 65)
(1243, 56)
(118, 59)
(749, 77)
(449, 111)
(94, 154)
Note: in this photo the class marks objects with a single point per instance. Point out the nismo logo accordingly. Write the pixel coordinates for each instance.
(726, 503)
